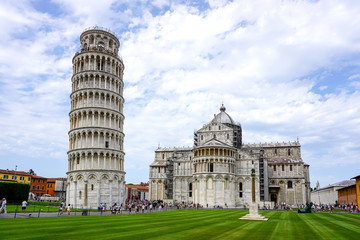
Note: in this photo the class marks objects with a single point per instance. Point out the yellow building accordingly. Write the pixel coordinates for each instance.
(357, 178)
(15, 176)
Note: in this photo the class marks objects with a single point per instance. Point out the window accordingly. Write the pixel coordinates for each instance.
(291, 168)
(240, 190)
(190, 189)
(214, 136)
(92, 187)
(29, 178)
(38, 187)
(227, 136)
(288, 151)
(21, 178)
(106, 144)
(163, 156)
(274, 168)
(275, 152)
(290, 184)
(211, 167)
(33, 187)
(13, 177)
(6, 177)
(201, 137)
(219, 127)
(158, 170)
(209, 128)
(178, 164)
(194, 168)
(43, 188)
(78, 161)
(79, 194)
(283, 167)
(38, 180)
(252, 161)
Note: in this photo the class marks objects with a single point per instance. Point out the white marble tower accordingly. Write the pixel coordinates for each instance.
(96, 139)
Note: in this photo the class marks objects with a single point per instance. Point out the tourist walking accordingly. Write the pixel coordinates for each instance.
(68, 210)
(23, 206)
(3, 206)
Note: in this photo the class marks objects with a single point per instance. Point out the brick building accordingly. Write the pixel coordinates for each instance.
(38, 185)
(347, 195)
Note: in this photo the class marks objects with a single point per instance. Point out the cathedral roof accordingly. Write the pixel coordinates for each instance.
(342, 184)
(278, 144)
(214, 143)
(223, 117)
(158, 163)
(285, 160)
(171, 149)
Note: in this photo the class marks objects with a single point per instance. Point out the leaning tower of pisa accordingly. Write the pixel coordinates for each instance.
(96, 139)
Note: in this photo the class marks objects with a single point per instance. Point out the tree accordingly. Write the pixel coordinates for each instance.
(32, 172)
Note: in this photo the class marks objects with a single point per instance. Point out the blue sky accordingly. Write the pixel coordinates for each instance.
(284, 69)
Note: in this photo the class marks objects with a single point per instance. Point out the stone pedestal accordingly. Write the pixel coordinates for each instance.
(254, 214)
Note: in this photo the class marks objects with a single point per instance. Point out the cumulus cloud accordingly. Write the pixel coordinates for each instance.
(267, 61)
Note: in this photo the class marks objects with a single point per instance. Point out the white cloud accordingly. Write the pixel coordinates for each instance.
(180, 64)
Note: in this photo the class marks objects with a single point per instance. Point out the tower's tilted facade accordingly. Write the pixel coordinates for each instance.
(96, 139)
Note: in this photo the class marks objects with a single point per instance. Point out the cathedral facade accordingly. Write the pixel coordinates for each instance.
(216, 171)
(96, 139)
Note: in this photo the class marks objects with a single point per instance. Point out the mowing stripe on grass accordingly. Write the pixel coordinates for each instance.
(186, 224)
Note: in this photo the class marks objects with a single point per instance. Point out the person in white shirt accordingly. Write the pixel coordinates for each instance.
(3, 205)
(23, 205)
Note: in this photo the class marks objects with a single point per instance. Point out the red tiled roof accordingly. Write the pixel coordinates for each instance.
(56, 179)
(13, 172)
(138, 187)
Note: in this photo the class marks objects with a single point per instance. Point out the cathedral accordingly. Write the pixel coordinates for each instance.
(216, 171)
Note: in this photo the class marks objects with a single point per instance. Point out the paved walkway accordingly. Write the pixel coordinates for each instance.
(56, 214)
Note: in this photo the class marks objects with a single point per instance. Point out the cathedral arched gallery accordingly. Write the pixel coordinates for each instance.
(216, 171)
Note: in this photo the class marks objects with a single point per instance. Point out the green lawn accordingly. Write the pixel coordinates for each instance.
(186, 224)
(30, 209)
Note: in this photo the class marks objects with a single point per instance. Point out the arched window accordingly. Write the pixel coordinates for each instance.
(190, 189)
(290, 185)
(240, 190)
(214, 136)
(211, 167)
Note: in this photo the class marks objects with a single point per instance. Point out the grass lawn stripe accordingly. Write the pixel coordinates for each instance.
(321, 228)
(335, 222)
(185, 224)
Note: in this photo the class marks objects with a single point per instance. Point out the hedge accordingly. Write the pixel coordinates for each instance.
(14, 192)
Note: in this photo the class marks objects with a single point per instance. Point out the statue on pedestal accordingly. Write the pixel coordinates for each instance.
(253, 209)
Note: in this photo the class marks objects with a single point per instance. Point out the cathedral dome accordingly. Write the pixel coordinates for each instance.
(223, 117)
